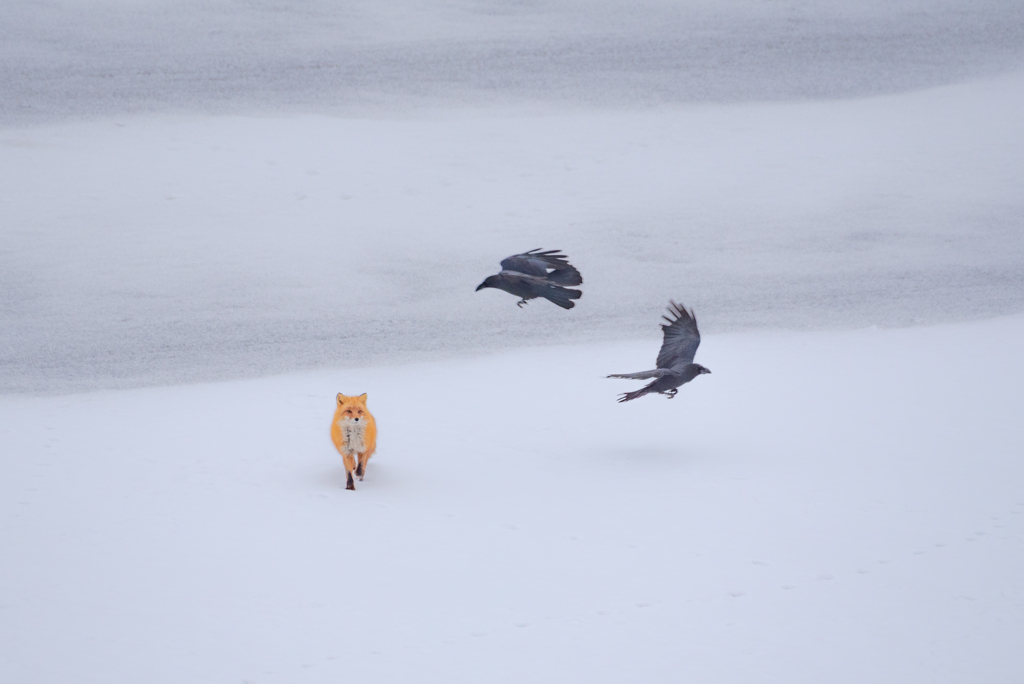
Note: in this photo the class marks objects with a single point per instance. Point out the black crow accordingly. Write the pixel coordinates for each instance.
(537, 274)
(675, 360)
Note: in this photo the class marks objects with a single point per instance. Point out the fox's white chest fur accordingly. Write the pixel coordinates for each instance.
(353, 435)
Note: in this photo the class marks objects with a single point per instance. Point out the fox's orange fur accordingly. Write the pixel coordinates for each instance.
(354, 433)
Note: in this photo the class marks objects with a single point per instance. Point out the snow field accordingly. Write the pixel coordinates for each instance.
(167, 250)
(841, 507)
(213, 191)
(69, 59)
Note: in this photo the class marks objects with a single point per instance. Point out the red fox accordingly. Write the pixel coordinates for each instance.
(354, 433)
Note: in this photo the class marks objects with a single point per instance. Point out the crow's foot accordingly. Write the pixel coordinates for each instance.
(671, 393)
(520, 303)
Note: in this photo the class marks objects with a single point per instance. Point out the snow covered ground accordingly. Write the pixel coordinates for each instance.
(216, 215)
(194, 191)
(100, 58)
(165, 250)
(824, 507)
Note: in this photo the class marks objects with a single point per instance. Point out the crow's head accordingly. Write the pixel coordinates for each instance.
(489, 281)
(701, 370)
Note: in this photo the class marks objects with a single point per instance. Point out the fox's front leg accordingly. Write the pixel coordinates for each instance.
(350, 465)
(361, 467)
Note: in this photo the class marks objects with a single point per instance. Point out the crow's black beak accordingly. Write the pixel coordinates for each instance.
(480, 286)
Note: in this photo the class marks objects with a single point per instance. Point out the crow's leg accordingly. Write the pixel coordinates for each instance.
(350, 465)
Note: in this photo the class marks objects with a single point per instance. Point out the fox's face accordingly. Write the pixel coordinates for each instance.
(351, 409)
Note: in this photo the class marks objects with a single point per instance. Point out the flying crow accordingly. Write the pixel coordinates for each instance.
(675, 360)
(537, 274)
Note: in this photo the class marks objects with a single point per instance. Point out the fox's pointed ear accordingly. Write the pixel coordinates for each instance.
(341, 398)
(362, 399)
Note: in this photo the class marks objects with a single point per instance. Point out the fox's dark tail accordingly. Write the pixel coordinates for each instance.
(562, 296)
(629, 396)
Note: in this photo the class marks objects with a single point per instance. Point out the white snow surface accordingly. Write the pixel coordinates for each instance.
(840, 507)
(167, 250)
(66, 59)
(201, 190)
(276, 202)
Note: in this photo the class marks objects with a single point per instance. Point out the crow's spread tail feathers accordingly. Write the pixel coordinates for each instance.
(642, 375)
(561, 296)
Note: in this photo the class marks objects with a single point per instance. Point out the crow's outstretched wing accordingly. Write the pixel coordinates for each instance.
(535, 262)
(681, 337)
(642, 375)
(538, 263)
